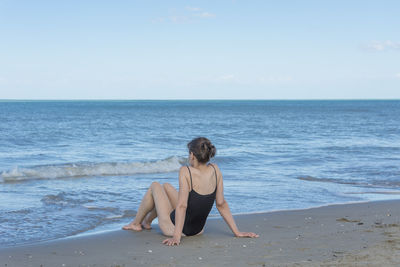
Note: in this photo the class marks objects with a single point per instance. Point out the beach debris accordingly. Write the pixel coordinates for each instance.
(388, 215)
(149, 251)
(244, 246)
(380, 225)
(200, 258)
(337, 252)
(347, 220)
(308, 218)
(63, 264)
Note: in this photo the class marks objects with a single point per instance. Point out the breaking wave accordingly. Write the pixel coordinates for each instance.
(170, 164)
(329, 180)
(373, 183)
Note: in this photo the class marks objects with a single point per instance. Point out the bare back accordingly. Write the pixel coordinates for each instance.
(203, 180)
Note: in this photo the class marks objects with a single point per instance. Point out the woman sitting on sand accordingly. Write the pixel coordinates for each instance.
(185, 212)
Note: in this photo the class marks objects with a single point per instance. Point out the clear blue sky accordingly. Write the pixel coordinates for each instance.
(199, 49)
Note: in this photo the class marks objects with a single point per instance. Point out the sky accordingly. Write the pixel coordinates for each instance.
(94, 49)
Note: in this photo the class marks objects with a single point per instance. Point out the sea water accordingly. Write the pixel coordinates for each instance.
(73, 167)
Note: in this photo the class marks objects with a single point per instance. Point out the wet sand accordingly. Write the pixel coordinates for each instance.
(363, 234)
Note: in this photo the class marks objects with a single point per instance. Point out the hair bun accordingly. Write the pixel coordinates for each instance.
(213, 150)
(202, 149)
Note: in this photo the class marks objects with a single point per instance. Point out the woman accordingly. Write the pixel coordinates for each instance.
(185, 212)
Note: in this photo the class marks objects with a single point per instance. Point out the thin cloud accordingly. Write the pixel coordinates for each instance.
(179, 19)
(186, 15)
(276, 79)
(227, 77)
(159, 20)
(205, 15)
(196, 9)
(383, 45)
(230, 78)
(397, 75)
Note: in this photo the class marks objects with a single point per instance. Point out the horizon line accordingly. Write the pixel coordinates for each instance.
(203, 99)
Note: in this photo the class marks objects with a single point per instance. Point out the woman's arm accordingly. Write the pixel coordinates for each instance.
(224, 210)
(180, 210)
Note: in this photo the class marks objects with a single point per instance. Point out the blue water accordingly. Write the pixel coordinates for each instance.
(69, 167)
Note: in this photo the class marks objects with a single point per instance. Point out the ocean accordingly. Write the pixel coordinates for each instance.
(79, 167)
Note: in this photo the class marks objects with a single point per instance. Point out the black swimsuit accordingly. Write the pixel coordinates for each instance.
(198, 208)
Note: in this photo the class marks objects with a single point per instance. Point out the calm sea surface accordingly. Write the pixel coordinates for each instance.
(71, 167)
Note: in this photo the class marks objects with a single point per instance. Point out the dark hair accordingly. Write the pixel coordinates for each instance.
(202, 149)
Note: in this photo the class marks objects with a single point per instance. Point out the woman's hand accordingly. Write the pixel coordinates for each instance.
(172, 241)
(246, 234)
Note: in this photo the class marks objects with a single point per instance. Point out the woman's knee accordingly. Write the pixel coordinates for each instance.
(167, 185)
(155, 184)
(166, 226)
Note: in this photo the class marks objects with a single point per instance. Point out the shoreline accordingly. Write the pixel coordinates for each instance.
(211, 217)
(332, 235)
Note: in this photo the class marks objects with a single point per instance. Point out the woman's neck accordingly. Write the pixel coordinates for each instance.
(200, 166)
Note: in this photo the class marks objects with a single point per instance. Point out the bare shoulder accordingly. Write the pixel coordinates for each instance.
(183, 176)
(183, 171)
(217, 169)
(215, 166)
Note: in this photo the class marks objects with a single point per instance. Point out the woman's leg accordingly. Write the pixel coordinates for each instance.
(146, 224)
(157, 198)
(146, 205)
(172, 195)
(163, 208)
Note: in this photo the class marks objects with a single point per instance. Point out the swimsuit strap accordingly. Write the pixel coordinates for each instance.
(215, 175)
(191, 183)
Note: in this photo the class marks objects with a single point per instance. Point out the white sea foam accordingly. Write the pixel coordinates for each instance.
(369, 184)
(170, 164)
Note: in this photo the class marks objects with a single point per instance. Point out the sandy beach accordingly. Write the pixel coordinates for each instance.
(362, 234)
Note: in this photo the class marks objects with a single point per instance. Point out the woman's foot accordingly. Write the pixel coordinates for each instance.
(146, 225)
(134, 227)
